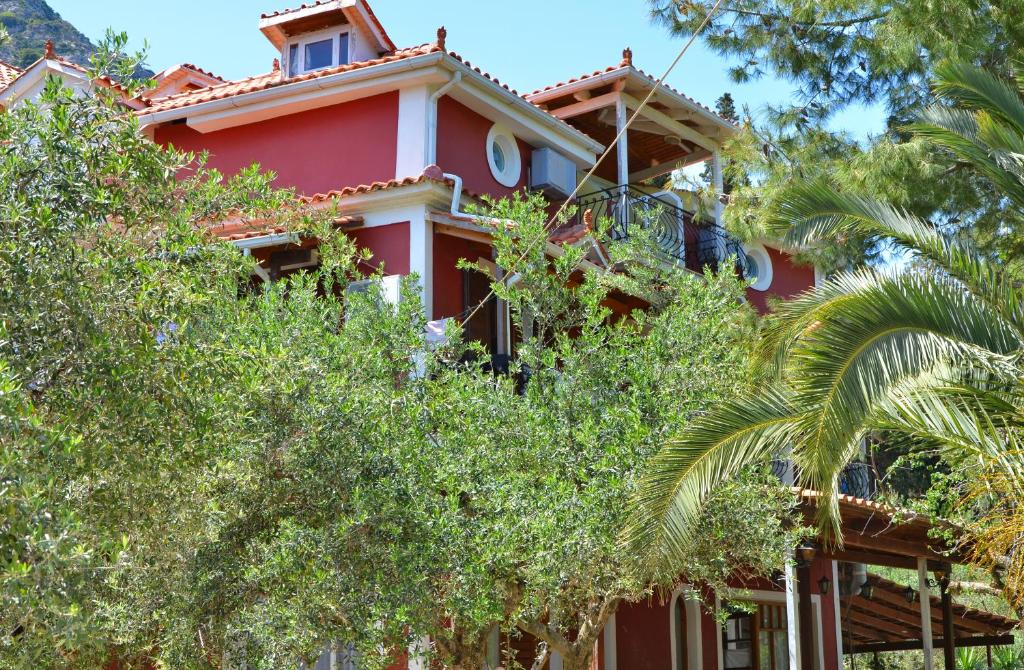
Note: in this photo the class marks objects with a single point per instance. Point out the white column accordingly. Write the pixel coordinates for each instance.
(421, 258)
(718, 181)
(837, 612)
(611, 660)
(413, 153)
(792, 612)
(924, 595)
(623, 146)
(418, 653)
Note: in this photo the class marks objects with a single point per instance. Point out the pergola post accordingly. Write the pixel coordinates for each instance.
(792, 615)
(622, 150)
(718, 181)
(948, 634)
(926, 612)
(803, 578)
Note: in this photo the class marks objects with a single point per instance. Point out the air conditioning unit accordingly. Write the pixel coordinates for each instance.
(552, 173)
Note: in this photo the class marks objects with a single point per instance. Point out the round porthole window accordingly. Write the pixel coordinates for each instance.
(503, 156)
(758, 267)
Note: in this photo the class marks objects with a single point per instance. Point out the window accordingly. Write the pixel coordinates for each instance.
(503, 156)
(315, 51)
(738, 642)
(319, 55)
(758, 270)
(756, 641)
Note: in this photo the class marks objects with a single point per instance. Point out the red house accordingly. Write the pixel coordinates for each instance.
(399, 138)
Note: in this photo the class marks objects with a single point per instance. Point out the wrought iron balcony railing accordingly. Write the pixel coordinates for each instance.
(857, 479)
(697, 244)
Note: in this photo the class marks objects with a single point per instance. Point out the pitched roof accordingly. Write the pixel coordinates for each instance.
(8, 73)
(624, 69)
(273, 79)
(311, 5)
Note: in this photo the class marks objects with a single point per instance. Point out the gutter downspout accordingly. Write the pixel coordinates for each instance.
(456, 203)
(431, 152)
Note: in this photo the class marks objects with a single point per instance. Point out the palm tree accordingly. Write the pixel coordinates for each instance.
(931, 352)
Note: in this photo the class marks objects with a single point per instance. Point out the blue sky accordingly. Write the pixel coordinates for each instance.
(528, 43)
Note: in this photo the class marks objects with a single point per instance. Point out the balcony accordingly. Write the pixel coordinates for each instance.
(857, 479)
(679, 235)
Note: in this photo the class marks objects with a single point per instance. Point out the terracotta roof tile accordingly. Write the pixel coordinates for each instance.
(200, 70)
(8, 73)
(317, 3)
(625, 69)
(241, 229)
(272, 79)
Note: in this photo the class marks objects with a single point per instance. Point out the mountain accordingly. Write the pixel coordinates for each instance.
(30, 23)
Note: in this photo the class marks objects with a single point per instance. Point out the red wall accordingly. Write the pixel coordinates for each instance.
(314, 151)
(448, 250)
(462, 149)
(389, 245)
(643, 636)
(788, 280)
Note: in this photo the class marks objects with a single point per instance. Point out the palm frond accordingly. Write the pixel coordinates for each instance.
(970, 86)
(714, 448)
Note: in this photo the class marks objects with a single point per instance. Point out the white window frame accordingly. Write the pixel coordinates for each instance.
(300, 42)
(764, 266)
(504, 138)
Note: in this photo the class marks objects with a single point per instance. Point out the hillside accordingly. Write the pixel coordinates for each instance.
(30, 23)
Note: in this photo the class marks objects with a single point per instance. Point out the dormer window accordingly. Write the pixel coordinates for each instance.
(316, 51)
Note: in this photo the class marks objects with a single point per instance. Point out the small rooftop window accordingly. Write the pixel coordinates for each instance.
(316, 51)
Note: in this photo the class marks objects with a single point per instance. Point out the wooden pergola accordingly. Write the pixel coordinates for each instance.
(886, 616)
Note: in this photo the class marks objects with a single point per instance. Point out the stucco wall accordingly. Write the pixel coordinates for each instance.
(462, 149)
(788, 280)
(313, 151)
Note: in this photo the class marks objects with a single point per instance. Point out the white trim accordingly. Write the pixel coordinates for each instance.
(475, 91)
(506, 142)
(432, 102)
(695, 648)
(611, 649)
(718, 635)
(305, 39)
(838, 611)
(792, 612)
(792, 620)
(765, 272)
(622, 150)
(819, 276)
(413, 152)
(421, 257)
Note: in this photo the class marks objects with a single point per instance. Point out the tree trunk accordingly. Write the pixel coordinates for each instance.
(577, 654)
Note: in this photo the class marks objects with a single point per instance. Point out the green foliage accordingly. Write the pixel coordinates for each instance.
(198, 470)
(930, 355)
(838, 55)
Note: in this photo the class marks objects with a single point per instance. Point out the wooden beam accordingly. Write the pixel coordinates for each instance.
(911, 645)
(914, 609)
(894, 630)
(949, 643)
(878, 558)
(662, 119)
(892, 546)
(580, 96)
(466, 233)
(577, 108)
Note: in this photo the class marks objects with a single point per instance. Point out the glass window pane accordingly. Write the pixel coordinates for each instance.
(318, 55)
(498, 155)
(293, 60)
(343, 49)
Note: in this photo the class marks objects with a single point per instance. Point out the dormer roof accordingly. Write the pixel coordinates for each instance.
(279, 26)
